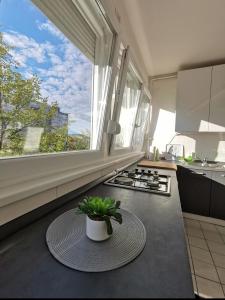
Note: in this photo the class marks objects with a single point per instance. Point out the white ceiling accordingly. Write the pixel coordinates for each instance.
(178, 34)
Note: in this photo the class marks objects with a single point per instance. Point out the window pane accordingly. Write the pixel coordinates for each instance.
(128, 110)
(114, 95)
(51, 94)
(140, 125)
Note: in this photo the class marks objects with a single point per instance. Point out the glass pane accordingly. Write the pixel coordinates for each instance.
(128, 110)
(102, 75)
(47, 85)
(114, 100)
(140, 125)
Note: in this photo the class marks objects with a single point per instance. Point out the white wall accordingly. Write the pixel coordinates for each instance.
(162, 130)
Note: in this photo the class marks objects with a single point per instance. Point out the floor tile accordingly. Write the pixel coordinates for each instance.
(191, 223)
(221, 272)
(208, 226)
(197, 242)
(213, 236)
(201, 254)
(219, 260)
(221, 229)
(209, 289)
(216, 247)
(223, 286)
(205, 270)
(223, 237)
(195, 232)
(194, 283)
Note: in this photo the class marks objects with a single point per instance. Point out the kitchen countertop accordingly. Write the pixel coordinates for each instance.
(161, 271)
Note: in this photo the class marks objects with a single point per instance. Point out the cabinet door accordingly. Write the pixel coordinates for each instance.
(217, 104)
(195, 190)
(217, 209)
(193, 97)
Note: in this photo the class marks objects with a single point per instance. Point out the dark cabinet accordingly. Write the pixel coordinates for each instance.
(195, 190)
(217, 209)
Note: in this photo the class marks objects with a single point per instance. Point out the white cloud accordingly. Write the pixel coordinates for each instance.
(66, 76)
(48, 26)
(24, 48)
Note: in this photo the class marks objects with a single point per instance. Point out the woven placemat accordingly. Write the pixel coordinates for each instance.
(67, 241)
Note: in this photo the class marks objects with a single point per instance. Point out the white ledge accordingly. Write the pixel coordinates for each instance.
(19, 190)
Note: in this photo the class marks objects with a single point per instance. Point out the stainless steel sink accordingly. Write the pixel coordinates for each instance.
(208, 164)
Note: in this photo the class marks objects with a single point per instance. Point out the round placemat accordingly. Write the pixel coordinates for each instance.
(67, 241)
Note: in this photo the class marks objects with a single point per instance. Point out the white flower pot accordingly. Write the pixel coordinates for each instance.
(96, 230)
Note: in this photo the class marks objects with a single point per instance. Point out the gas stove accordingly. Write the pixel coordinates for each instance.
(145, 180)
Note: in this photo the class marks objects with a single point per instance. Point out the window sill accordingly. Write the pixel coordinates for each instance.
(22, 189)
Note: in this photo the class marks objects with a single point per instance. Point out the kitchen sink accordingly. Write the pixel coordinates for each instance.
(209, 164)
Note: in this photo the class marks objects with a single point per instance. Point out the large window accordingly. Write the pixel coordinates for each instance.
(140, 124)
(128, 110)
(55, 69)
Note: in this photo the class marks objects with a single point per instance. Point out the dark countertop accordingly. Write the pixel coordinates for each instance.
(161, 271)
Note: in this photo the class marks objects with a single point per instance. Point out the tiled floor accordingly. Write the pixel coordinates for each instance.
(206, 249)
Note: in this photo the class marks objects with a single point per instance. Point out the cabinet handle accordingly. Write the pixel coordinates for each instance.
(199, 173)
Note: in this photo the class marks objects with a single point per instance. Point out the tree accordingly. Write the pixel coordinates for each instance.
(22, 106)
(18, 97)
(54, 141)
(79, 142)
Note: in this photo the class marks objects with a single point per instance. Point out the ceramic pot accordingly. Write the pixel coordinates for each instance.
(96, 230)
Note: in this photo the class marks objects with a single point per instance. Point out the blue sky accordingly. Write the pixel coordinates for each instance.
(40, 48)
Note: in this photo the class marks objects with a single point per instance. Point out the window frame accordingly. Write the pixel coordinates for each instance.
(94, 154)
(128, 62)
(144, 93)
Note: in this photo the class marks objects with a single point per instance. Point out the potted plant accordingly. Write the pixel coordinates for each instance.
(99, 212)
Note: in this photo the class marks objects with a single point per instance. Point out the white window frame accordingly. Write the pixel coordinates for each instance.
(121, 86)
(143, 93)
(31, 168)
(106, 138)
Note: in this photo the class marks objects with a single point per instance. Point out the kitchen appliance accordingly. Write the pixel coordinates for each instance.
(145, 180)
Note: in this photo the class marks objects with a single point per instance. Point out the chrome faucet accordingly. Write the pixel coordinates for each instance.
(204, 162)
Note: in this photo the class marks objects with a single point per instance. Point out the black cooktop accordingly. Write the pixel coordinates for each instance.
(145, 180)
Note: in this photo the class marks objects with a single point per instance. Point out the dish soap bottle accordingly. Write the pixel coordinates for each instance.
(154, 153)
(157, 154)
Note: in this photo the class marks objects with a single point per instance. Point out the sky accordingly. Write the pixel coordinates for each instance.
(40, 48)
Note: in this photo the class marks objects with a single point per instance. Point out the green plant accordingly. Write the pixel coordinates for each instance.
(101, 209)
(188, 159)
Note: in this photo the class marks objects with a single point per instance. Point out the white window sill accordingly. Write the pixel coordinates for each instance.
(20, 189)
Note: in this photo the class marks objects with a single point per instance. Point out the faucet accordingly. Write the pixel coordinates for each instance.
(204, 162)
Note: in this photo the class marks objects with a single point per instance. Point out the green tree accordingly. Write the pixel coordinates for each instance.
(18, 97)
(79, 142)
(54, 141)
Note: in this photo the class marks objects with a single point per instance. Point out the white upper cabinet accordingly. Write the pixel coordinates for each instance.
(217, 103)
(193, 98)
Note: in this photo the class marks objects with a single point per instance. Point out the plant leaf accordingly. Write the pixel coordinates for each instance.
(109, 225)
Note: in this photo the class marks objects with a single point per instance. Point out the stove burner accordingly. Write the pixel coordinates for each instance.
(124, 180)
(153, 184)
(145, 180)
(131, 174)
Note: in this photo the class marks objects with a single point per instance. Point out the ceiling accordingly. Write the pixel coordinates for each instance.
(177, 34)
